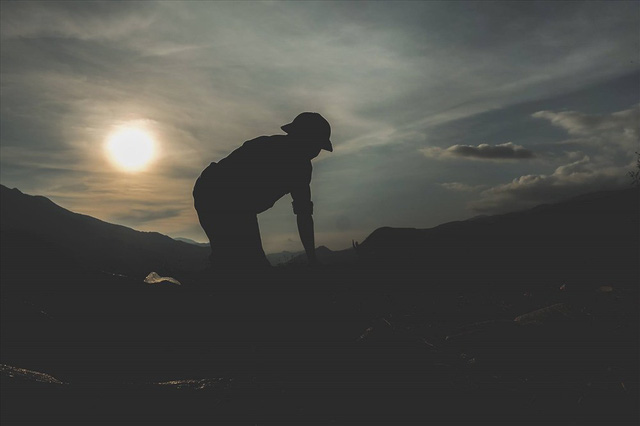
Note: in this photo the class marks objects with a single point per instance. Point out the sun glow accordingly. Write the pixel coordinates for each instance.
(130, 148)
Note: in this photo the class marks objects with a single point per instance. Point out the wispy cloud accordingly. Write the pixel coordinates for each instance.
(620, 129)
(139, 216)
(96, 21)
(461, 187)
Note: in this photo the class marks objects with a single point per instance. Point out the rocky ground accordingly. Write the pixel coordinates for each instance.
(340, 345)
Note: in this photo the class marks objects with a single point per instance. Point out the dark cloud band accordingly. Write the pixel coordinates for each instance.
(506, 151)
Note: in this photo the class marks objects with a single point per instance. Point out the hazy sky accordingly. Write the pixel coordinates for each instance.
(440, 110)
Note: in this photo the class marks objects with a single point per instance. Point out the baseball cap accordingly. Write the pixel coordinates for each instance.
(312, 125)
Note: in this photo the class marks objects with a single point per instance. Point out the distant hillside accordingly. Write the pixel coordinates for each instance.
(190, 241)
(594, 237)
(37, 233)
(326, 256)
(282, 257)
(278, 258)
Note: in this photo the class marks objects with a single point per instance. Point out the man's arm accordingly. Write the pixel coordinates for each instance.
(305, 229)
(303, 209)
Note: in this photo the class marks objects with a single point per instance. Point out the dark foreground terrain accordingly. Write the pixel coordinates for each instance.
(410, 333)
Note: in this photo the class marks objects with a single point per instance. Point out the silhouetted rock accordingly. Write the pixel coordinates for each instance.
(8, 372)
(154, 278)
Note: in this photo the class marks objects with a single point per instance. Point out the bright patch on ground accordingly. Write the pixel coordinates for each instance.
(131, 149)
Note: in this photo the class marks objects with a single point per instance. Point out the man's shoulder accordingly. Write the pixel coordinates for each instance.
(263, 145)
(267, 139)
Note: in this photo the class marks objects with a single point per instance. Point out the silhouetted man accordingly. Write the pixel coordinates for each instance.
(229, 194)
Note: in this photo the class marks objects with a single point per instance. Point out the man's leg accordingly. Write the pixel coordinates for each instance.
(245, 244)
(208, 225)
(252, 243)
(234, 238)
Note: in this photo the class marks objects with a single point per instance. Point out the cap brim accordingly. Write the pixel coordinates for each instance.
(326, 145)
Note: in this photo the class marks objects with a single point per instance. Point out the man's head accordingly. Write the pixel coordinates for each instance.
(312, 128)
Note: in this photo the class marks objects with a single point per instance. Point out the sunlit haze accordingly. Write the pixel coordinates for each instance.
(130, 149)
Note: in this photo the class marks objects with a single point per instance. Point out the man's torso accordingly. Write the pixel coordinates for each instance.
(255, 176)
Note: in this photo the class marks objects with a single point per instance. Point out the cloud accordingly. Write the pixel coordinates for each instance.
(619, 129)
(461, 187)
(505, 151)
(569, 180)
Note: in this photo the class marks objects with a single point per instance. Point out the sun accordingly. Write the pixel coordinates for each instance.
(131, 149)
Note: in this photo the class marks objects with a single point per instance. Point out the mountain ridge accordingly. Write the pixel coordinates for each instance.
(88, 240)
(479, 241)
(585, 237)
